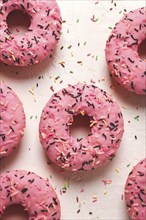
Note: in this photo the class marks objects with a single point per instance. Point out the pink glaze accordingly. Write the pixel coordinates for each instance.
(106, 127)
(41, 37)
(12, 121)
(35, 194)
(135, 192)
(122, 56)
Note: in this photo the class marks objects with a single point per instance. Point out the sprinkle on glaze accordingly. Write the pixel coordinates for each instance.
(41, 37)
(106, 128)
(12, 120)
(121, 51)
(34, 193)
(135, 192)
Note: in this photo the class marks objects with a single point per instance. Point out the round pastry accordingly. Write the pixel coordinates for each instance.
(121, 51)
(12, 121)
(41, 37)
(35, 194)
(135, 192)
(106, 127)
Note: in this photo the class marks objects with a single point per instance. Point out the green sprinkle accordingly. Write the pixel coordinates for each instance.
(128, 165)
(71, 72)
(36, 117)
(78, 20)
(50, 176)
(120, 12)
(31, 117)
(85, 43)
(96, 58)
(110, 28)
(96, 20)
(136, 118)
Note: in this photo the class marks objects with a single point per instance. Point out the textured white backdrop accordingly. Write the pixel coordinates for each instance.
(82, 40)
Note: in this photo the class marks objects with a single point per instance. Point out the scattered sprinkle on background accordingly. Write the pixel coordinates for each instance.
(79, 56)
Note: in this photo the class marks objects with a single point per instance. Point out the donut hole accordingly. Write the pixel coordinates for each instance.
(142, 50)
(15, 212)
(18, 22)
(80, 127)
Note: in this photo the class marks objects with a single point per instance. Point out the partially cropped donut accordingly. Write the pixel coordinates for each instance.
(122, 56)
(12, 120)
(41, 37)
(34, 193)
(106, 127)
(135, 192)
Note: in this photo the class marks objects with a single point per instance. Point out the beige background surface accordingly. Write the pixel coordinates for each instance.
(82, 40)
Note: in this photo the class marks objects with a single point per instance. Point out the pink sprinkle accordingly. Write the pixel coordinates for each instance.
(82, 190)
(92, 81)
(106, 182)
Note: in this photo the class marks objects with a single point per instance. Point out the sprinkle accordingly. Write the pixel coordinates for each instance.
(105, 192)
(110, 28)
(123, 107)
(71, 72)
(82, 113)
(31, 92)
(52, 89)
(92, 81)
(94, 19)
(78, 20)
(56, 78)
(93, 123)
(85, 43)
(117, 170)
(31, 117)
(94, 199)
(96, 58)
(13, 57)
(136, 118)
(62, 63)
(70, 46)
(82, 189)
(128, 165)
(107, 182)
(80, 62)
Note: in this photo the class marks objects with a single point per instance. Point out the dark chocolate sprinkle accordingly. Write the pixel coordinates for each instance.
(24, 190)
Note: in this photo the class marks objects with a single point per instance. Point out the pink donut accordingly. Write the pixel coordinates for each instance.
(12, 121)
(121, 51)
(106, 127)
(135, 192)
(41, 37)
(35, 194)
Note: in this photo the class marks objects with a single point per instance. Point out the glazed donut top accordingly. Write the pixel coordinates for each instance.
(34, 193)
(41, 37)
(121, 51)
(12, 120)
(80, 154)
(135, 192)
